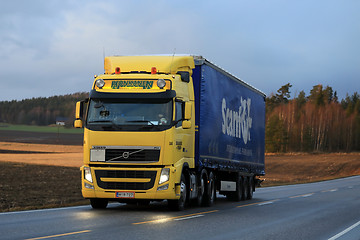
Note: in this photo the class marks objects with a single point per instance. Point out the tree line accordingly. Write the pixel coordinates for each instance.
(318, 122)
(41, 111)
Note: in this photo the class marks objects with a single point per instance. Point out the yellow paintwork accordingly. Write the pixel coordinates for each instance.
(163, 64)
(176, 143)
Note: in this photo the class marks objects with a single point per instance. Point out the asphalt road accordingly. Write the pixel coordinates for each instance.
(325, 210)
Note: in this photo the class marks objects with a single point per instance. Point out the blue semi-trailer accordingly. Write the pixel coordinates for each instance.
(170, 127)
(230, 137)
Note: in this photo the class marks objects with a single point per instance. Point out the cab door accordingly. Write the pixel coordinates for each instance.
(184, 130)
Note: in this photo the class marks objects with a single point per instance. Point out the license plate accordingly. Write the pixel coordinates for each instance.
(125, 194)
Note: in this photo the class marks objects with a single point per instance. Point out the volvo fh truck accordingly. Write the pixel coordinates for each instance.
(175, 128)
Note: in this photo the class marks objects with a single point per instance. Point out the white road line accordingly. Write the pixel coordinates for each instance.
(57, 209)
(331, 190)
(185, 218)
(45, 210)
(308, 195)
(345, 231)
(265, 203)
(303, 196)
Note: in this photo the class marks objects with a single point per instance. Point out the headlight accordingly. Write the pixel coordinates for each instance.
(100, 83)
(161, 83)
(164, 176)
(87, 174)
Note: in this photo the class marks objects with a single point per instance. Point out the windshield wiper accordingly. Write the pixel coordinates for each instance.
(113, 125)
(100, 121)
(141, 121)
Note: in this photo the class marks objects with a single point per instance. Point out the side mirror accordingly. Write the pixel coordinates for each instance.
(79, 114)
(186, 124)
(79, 110)
(78, 123)
(188, 109)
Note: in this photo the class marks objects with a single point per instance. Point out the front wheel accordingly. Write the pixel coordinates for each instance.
(179, 204)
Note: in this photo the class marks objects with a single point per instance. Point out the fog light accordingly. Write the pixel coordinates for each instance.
(165, 187)
(164, 176)
(87, 174)
(87, 185)
(161, 83)
(100, 83)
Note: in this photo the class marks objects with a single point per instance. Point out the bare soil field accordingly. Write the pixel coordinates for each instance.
(41, 154)
(47, 175)
(41, 137)
(303, 168)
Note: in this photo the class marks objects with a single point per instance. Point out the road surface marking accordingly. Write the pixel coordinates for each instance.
(345, 231)
(331, 190)
(173, 218)
(265, 203)
(60, 235)
(258, 203)
(185, 218)
(44, 210)
(303, 195)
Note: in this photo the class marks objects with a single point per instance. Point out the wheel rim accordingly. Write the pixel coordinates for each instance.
(182, 193)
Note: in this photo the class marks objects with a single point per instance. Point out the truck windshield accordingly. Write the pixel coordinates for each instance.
(129, 115)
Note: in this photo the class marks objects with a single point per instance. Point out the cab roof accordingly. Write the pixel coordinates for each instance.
(163, 64)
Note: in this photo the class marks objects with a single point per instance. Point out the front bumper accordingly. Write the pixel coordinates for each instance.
(142, 182)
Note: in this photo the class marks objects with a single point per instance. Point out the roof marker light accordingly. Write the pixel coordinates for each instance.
(117, 70)
(153, 70)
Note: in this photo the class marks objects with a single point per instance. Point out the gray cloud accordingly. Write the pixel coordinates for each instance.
(55, 47)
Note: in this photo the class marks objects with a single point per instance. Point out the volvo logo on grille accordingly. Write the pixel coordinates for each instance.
(126, 155)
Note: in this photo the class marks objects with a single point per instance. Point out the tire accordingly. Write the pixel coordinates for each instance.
(210, 191)
(201, 188)
(246, 187)
(97, 203)
(251, 188)
(239, 194)
(179, 204)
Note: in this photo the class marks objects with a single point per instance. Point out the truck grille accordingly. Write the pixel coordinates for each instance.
(151, 175)
(132, 155)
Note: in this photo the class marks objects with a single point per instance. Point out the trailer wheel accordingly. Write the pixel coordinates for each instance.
(250, 192)
(246, 187)
(179, 204)
(97, 203)
(239, 194)
(210, 191)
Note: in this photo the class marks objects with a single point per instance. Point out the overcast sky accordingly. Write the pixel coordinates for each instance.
(55, 47)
